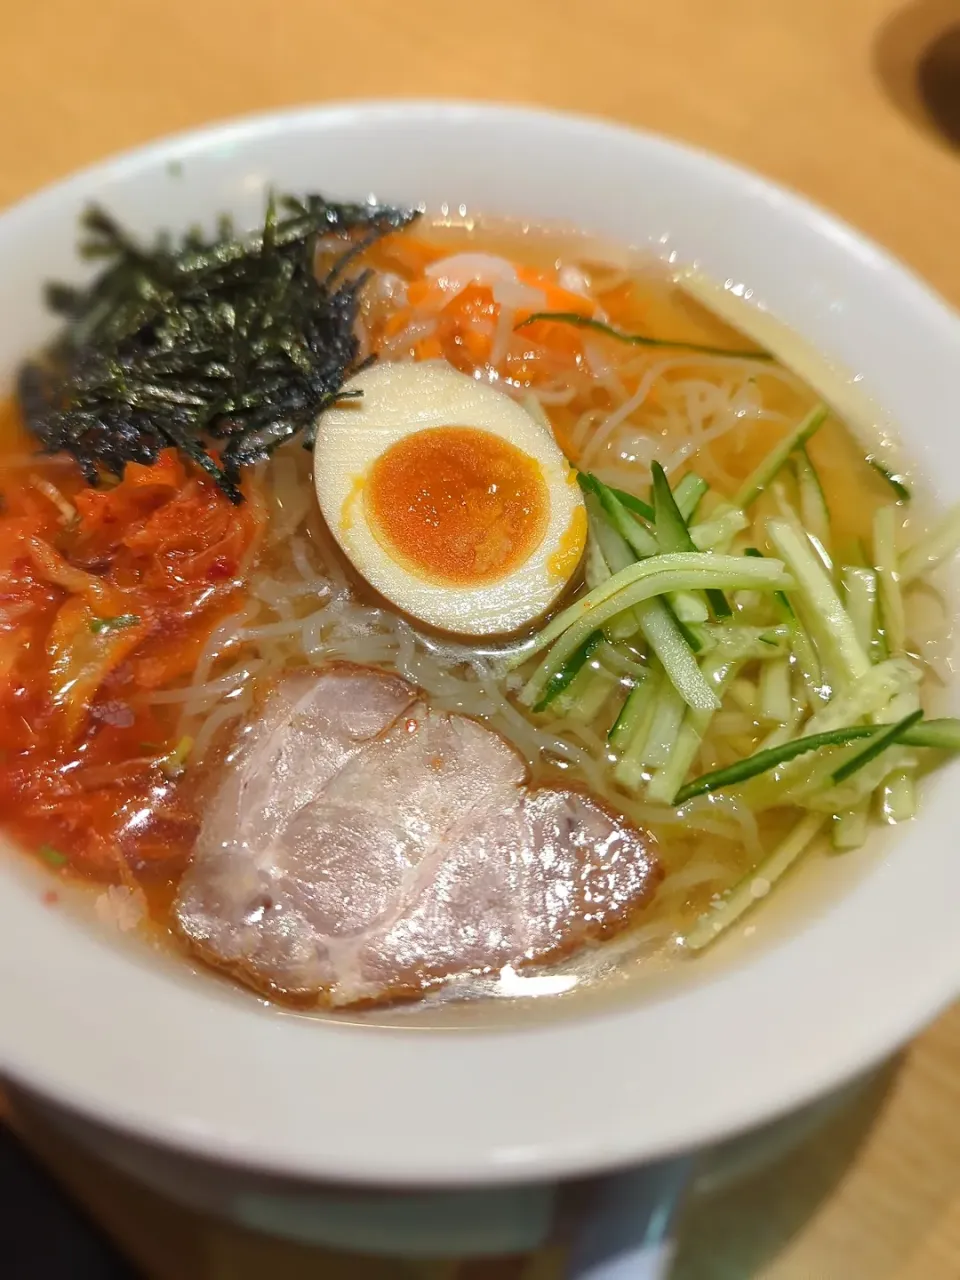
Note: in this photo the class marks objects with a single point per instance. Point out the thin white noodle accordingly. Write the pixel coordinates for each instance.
(206, 692)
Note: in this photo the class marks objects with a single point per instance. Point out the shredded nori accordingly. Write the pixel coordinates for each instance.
(222, 348)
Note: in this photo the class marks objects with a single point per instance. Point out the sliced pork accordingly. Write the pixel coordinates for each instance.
(363, 847)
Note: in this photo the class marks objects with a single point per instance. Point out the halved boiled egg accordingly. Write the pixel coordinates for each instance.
(449, 498)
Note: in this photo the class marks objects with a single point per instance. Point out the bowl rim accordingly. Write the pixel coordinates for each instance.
(581, 1148)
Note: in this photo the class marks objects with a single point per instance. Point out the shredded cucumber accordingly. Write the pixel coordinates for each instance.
(717, 531)
(637, 536)
(617, 555)
(687, 607)
(719, 671)
(813, 502)
(776, 702)
(629, 770)
(595, 567)
(664, 728)
(882, 739)
(586, 696)
(755, 483)
(896, 481)
(849, 829)
(755, 885)
(674, 536)
(825, 615)
(860, 598)
(898, 799)
(639, 584)
(669, 640)
(656, 576)
(689, 493)
(889, 595)
(630, 714)
(941, 735)
(942, 542)
(629, 500)
(563, 677)
(744, 693)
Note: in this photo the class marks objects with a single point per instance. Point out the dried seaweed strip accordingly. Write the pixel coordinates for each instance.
(223, 349)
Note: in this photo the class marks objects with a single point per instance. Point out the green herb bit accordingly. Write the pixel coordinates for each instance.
(638, 339)
(561, 679)
(895, 480)
(120, 623)
(51, 856)
(882, 740)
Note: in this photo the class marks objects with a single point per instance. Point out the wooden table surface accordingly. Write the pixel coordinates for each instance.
(819, 94)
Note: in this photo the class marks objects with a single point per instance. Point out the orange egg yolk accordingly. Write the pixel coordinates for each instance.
(456, 505)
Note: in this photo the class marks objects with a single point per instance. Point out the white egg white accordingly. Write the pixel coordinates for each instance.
(399, 400)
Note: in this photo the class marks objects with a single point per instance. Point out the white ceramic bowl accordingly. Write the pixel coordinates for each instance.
(159, 1053)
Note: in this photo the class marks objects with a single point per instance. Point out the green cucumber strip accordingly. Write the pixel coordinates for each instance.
(585, 698)
(755, 483)
(868, 697)
(690, 611)
(638, 585)
(629, 715)
(641, 542)
(942, 735)
(589, 483)
(595, 567)
(776, 700)
(824, 613)
(686, 606)
(674, 536)
(781, 597)
(755, 885)
(849, 829)
(561, 678)
(664, 728)
(860, 598)
(656, 576)
(898, 799)
(621, 663)
(636, 535)
(672, 531)
(896, 481)
(668, 640)
(667, 780)
(784, 732)
(724, 525)
(617, 555)
(636, 506)
(882, 739)
(813, 503)
(889, 595)
(637, 339)
(629, 770)
(790, 515)
(942, 542)
(688, 494)
(744, 694)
